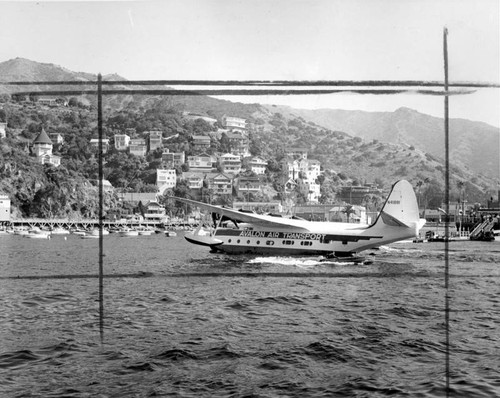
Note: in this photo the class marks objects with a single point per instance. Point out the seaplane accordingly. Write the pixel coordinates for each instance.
(244, 232)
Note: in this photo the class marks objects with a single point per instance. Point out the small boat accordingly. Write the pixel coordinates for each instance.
(59, 231)
(145, 231)
(90, 236)
(128, 232)
(170, 233)
(37, 233)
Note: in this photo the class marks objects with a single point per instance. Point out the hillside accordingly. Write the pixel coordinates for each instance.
(345, 157)
(473, 145)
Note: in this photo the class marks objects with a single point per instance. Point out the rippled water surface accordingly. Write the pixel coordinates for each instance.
(179, 321)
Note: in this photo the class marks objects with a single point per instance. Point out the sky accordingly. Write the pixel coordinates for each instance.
(272, 40)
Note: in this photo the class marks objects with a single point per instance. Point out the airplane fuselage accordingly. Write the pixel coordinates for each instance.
(289, 242)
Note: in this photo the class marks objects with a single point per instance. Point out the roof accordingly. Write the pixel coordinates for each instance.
(42, 138)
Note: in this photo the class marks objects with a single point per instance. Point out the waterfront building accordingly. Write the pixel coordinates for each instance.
(121, 142)
(153, 211)
(133, 198)
(138, 147)
(4, 208)
(165, 179)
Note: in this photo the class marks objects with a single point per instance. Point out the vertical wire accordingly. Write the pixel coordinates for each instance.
(447, 209)
(101, 203)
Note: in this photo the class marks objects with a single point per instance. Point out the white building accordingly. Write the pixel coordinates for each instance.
(234, 123)
(203, 163)
(42, 149)
(4, 208)
(230, 163)
(165, 179)
(257, 165)
(3, 126)
(121, 142)
(138, 147)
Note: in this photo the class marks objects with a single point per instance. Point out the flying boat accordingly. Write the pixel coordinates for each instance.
(238, 232)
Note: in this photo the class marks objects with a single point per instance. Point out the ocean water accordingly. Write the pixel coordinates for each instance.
(179, 321)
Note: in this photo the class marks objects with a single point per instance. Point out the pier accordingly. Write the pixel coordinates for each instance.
(90, 223)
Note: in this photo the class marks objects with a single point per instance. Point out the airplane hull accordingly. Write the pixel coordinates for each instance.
(289, 243)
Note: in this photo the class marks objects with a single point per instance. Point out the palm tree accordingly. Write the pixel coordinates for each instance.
(348, 210)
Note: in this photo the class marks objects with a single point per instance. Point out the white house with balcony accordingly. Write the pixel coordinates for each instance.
(258, 165)
(230, 164)
(234, 123)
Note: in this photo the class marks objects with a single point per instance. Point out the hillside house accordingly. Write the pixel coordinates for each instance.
(194, 180)
(201, 163)
(239, 143)
(137, 146)
(42, 149)
(173, 159)
(313, 170)
(47, 101)
(165, 179)
(230, 163)
(201, 142)
(234, 123)
(258, 165)
(219, 183)
(155, 140)
(248, 185)
(121, 142)
(94, 143)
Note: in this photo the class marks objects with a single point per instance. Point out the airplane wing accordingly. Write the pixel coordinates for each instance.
(251, 218)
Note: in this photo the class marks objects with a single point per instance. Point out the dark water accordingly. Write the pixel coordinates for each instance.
(179, 321)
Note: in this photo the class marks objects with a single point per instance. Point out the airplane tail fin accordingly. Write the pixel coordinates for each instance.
(401, 208)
